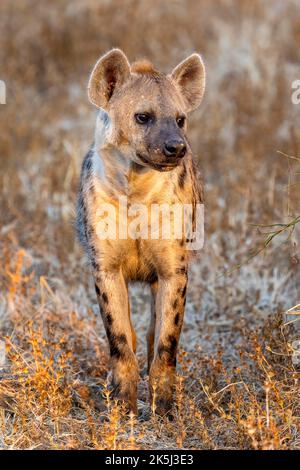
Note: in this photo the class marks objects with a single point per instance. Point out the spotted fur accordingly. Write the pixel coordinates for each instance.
(128, 160)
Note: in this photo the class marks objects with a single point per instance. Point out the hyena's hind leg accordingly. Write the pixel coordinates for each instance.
(133, 333)
(151, 329)
(113, 300)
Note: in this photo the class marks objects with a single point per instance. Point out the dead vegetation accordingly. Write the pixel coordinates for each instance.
(238, 380)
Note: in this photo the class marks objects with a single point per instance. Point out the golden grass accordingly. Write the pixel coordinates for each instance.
(237, 385)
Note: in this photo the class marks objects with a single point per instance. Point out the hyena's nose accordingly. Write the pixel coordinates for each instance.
(174, 148)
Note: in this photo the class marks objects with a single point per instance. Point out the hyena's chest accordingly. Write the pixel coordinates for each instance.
(144, 240)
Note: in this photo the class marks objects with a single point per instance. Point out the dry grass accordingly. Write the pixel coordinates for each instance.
(237, 385)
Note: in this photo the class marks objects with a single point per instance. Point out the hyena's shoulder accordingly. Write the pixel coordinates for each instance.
(190, 181)
(81, 210)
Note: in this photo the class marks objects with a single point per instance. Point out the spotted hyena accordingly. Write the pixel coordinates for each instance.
(141, 153)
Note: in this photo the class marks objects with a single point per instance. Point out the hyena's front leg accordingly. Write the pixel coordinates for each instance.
(170, 305)
(114, 306)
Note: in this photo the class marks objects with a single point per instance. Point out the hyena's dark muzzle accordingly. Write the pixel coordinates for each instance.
(166, 145)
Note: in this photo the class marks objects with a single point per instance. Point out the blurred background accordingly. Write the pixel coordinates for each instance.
(245, 137)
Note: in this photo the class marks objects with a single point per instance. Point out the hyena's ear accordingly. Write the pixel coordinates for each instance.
(109, 73)
(189, 75)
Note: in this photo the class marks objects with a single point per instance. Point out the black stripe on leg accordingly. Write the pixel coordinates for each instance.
(167, 352)
(109, 318)
(176, 319)
(103, 296)
(115, 341)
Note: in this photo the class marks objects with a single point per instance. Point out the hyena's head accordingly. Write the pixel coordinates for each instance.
(145, 109)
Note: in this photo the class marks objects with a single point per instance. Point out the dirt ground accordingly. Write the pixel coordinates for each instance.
(238, 373)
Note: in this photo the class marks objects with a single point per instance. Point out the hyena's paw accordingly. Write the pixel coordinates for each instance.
(126, 394)
(161, 387)
(124, 385)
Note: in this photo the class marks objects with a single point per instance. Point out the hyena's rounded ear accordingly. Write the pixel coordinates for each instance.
(110, 72)
(189, 76)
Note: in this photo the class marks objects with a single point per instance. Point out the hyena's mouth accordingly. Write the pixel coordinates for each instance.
(167, 166)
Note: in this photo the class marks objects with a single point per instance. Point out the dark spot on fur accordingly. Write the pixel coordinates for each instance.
(92, 188)
(183, 292)
(176, 319)
(122, 339)
(114, 343)
(181, 242)
(93, 250)
(108, 331)
(104, 297)
(175, 303)
(182, 258)
(181, 270)
(115, 350)
(97, 289)
(168, 352)
(84, 220)
(95, 265)
(173, 343)
(90, 231)
(109, 318)
(151, 276)
(88, 163)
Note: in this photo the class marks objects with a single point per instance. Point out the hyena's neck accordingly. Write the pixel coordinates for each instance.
(118, 176)
(111, 170)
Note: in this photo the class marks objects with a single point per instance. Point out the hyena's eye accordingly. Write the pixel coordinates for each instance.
(143, 118)
(180, 121)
